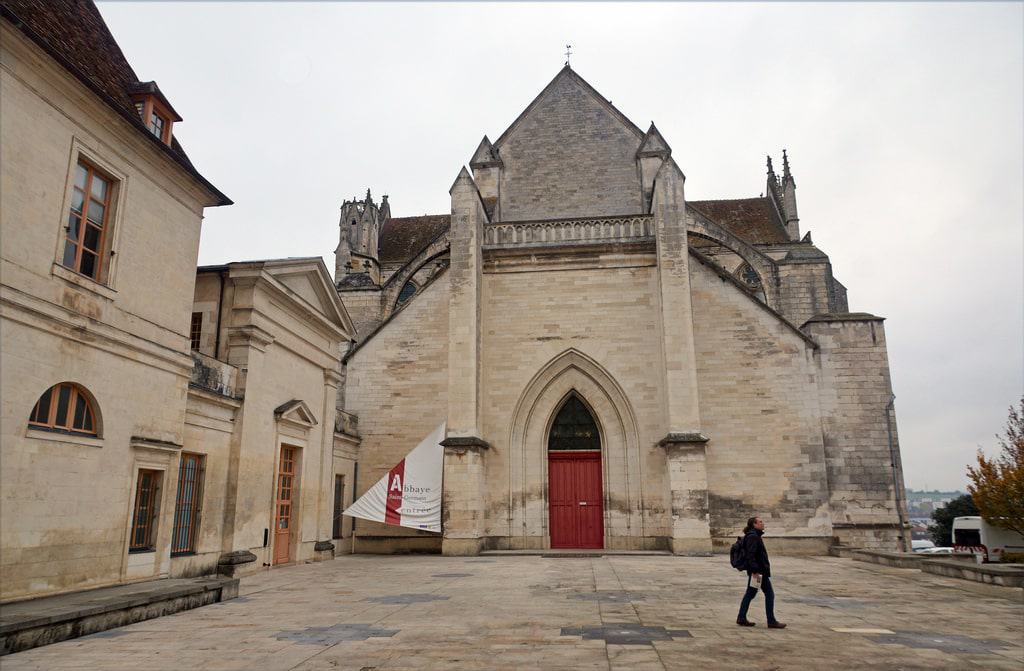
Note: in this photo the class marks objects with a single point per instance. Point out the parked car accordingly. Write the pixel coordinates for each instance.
(919, 545)
(935, 551)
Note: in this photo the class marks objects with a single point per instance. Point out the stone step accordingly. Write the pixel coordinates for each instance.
(35, 622)
(576, 553)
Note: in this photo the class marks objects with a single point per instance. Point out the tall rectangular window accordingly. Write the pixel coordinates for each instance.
(88, 222)
(188, 503)
(195, 331)
(339, 504)
(147, 500)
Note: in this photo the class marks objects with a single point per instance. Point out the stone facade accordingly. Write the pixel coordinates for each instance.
(121, 337)
(178, 472)
(711, 346)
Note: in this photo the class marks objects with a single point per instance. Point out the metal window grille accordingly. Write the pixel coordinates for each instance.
(195, 331)
(574, 428)
(188, 503)
(339, 504)
(144, 517)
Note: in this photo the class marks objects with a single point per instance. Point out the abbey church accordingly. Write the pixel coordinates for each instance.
(618, 367)
(615, 366)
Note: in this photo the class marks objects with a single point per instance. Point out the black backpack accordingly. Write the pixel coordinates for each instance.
(738, 554)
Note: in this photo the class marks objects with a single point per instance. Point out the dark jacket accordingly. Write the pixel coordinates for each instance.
(757, 555)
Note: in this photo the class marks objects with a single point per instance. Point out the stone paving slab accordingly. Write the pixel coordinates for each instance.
(529, 612)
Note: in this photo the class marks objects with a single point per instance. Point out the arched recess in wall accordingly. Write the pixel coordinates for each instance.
(573, 373)
(67, 408)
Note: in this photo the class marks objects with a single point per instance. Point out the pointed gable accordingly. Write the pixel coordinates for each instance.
(570, 154)
(485, 156)
(653, 144)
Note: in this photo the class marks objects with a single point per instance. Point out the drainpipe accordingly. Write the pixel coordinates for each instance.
(897, 487)
(220, 317)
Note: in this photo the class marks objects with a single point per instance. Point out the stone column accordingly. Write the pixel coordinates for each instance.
(684, 443)
(462, 517)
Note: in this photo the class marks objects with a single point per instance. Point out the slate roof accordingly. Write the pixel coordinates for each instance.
(401, 238)
(74, 34)
(755, 220)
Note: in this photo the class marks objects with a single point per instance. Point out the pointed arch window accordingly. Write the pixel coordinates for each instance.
(67, 408)
(574, 428)
(406, 293)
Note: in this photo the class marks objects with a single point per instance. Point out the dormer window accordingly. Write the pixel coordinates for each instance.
(154, 110)
(156, 125)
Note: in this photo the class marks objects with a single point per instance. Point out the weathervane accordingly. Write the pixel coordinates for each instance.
(568, 53)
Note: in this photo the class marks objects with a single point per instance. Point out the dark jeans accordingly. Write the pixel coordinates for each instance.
(769, 598)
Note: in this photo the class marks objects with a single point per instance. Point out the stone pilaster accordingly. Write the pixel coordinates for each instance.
(684, 443)
(463, 500)
(686, 457)
(462, 503)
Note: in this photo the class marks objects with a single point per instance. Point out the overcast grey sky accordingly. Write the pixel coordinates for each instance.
(904, 125)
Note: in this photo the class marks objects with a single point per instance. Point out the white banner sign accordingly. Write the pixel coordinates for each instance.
(410, 494)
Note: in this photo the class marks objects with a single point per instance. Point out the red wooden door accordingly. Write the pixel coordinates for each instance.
(576, 509)
(283, 505)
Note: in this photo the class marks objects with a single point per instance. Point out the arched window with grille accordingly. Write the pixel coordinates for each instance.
(406, 293)
(574, 428)
(66, 408)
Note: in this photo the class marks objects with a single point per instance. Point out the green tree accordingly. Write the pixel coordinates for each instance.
(942, 529)
(997, 485)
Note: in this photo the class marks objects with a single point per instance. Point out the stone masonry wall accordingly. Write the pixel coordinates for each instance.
(855, 389)
(609, 315)
(805, 290)
(570, 157)
(364, 309)
(397, 384)
(759, 408)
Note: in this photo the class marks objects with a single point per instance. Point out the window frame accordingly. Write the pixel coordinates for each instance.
(84, 223)
(195, 504)
(104, 284)
(338, 521)
(195, 332)
(151, 506)
(76, 392)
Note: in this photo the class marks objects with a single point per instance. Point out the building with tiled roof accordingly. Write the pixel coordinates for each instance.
(134, 445)
(615, 366)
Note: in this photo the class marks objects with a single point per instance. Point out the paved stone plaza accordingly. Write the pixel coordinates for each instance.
(529, 612)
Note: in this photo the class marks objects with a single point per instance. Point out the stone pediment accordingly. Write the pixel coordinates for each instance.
(308, 280)
(297, 412)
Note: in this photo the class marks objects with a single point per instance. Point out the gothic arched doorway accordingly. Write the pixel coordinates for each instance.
(575, 493)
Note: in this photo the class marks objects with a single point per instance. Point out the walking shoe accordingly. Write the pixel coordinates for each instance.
(776, 625)
(748, 623)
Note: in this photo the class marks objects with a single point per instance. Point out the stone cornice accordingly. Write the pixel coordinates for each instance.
(465, 444)
(683, 439)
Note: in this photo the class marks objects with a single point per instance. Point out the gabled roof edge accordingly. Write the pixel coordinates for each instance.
(133, 119)
(586, 87)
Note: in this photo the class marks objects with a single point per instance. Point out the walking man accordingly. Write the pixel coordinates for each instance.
(759, 571)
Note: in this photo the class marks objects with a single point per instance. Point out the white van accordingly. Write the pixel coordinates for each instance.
(973, 534)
